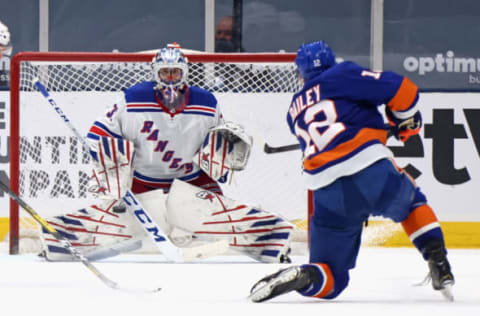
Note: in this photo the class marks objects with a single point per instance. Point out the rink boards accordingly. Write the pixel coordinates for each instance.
(444, 159)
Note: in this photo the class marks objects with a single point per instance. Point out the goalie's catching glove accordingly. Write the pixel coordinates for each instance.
(402, 129)
(226, 148)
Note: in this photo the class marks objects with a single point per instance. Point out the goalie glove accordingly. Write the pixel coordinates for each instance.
(403, 129)
(112, 168)
(226, 148)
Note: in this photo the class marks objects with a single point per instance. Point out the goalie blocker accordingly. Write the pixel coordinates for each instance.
(98, 232)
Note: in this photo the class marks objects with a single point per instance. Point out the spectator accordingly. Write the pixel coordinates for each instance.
(224, 36)
(5, 52)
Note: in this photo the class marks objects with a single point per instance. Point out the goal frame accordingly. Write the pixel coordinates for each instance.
(14, 212)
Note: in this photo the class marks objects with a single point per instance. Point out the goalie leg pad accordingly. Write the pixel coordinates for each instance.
(154, 202)
(262, 235)
(91, 229)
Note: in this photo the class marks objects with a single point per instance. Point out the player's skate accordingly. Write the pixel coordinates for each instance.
(281, 282)
(440, 272)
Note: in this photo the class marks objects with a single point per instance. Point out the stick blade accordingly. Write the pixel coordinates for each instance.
(272, 150)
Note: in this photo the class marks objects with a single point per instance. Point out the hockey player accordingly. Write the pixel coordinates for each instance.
(352, 174)
(182, 146)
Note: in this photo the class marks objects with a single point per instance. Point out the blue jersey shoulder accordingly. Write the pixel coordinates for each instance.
(141, 92)
(349, 80)
(199, 96)
(337, 75)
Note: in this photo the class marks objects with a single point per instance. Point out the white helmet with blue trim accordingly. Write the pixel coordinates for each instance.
(170, 67)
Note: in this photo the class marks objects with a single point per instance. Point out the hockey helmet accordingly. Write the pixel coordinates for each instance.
(314, 58)
(170, 67)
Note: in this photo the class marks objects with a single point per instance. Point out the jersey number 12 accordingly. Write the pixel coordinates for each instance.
(315, 140)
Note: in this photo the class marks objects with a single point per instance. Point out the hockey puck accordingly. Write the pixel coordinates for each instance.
(119, 209)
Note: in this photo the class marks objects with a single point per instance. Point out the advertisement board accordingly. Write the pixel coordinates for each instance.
(444, 158)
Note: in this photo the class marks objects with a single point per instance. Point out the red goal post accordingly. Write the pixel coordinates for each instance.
(255, 87)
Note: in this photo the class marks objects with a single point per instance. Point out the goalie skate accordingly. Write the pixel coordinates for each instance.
(281, 282)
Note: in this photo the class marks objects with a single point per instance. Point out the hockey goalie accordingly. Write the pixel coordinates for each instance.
(168, 144)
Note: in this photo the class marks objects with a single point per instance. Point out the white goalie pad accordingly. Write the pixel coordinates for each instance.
(112, 173)
(102, 230)
(262, 235)
(226, 149)
(96, 231)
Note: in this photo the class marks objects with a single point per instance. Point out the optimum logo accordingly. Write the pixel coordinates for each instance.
(442, 63)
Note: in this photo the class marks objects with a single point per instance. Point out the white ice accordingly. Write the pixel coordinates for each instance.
(383, 283)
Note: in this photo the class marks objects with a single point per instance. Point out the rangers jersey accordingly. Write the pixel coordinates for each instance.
(165, 140)
(335, 117)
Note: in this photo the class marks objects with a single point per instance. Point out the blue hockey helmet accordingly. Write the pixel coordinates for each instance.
(314, 58)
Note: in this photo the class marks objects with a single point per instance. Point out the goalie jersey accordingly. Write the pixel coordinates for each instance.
(165, 140)
(335, 117)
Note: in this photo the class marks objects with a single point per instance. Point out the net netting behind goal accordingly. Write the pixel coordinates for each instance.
(50, 169)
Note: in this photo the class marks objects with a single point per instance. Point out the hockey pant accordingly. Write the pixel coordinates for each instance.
(340, 209)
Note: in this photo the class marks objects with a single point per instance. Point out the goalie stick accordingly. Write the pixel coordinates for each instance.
(66, 243)
(153, 230)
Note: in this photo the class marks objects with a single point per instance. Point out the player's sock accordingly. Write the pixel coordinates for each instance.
(422, 226)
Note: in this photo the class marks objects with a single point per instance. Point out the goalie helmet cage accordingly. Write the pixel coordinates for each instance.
(39, 147)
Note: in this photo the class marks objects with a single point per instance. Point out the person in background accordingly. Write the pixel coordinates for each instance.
(224, 36)
(5, 53)
(352, 174)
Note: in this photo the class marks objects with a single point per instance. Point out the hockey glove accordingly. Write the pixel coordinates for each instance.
(402, 129)
(112, 168)
(226, 147)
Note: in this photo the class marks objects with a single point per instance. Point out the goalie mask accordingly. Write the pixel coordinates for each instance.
(170, 71)
(226, 149)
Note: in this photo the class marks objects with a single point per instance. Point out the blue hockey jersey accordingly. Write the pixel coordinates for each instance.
(335, 117)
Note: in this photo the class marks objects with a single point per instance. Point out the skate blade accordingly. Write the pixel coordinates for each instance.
(263, 291)
(447, 292)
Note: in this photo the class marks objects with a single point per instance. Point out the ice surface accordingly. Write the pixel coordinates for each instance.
(383, 283)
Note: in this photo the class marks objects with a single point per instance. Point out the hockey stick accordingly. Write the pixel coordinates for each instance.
(155, 232)
(65, 242)
(280, 149)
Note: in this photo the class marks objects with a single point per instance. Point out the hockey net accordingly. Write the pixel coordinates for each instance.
(50, 169)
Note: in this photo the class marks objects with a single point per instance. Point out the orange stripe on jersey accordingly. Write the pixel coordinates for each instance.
(404, 97)
(419, 218)
(328, 281)
(343, 149)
